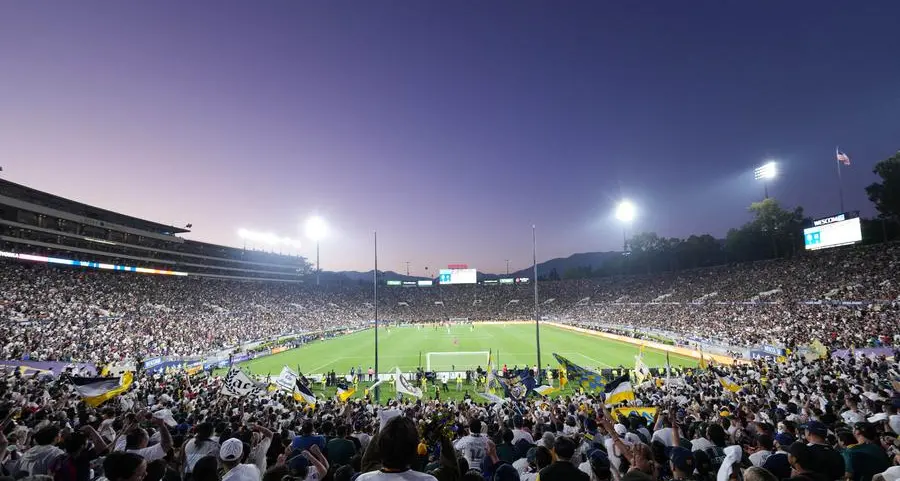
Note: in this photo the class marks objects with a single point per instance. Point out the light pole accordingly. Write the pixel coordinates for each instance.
(537, 317)
(765, 173)
(625, 212)
(507, 267)
(316, 228)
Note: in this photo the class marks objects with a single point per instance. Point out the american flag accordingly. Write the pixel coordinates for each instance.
(842, 157)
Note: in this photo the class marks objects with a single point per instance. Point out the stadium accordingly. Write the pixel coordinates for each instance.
(697, 205)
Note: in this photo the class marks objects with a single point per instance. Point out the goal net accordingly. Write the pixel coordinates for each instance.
(456, 361)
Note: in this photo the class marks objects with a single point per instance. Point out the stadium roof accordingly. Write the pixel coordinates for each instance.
(28, 194)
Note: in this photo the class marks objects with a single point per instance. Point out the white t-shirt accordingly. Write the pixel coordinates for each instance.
(193, 453)
(759, 458)
(701, 444)
(150, 453)
(242, 472)
(474, 448)
(409, 475)
(664, 436)
(519, 434)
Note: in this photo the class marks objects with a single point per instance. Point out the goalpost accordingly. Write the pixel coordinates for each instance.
(459, 361)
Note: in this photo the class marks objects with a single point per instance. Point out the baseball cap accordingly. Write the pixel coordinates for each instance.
(598, 456)
(817, 428)
(620, 429)
(231, 450)
(681, 458)
(784, 439)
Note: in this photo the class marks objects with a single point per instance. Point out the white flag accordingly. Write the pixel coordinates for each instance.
(286, 380)
(403, 386)
(237, 383)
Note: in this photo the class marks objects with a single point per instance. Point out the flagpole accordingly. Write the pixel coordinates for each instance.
(537, 318)
(840, 181)
(375, 297)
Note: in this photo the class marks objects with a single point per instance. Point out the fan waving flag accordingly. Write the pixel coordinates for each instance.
(302, 393)
(94, 391)
(726, 381)
(581, 377)
(344, 392)
(403, 386)
(842, 157)
(618, 391)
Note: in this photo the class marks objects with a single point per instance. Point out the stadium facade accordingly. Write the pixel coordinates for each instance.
(36, 224)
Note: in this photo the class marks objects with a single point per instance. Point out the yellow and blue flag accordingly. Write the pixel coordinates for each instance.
(618, 391)
(95, 391)
(581, 377)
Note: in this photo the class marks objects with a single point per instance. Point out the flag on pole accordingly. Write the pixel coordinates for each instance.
(545, 390)
(94, 391)
(619, 390)
(344, 393)
(703, 364)
(641, 371)
(404, 387)
(303, 393)
(727, 382)
(238, 384)
(287, 379)
(842, 157)
(584, 378)
(668, 367)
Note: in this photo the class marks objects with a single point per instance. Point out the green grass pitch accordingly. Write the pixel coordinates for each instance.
(512, 344)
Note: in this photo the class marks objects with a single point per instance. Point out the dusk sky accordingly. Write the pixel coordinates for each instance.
(450, 127)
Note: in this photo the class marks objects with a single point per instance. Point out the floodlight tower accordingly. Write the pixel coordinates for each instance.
(316, 229)
(765, 173)
(625, 212)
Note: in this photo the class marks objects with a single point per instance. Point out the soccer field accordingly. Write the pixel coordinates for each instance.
(512, 344)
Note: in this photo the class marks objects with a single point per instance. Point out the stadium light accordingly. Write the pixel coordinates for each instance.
(267, 239)
(765, 173)
(625, 212)
(316, 229)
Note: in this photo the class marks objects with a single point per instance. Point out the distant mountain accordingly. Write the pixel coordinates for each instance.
(593, 259)
(354, 276)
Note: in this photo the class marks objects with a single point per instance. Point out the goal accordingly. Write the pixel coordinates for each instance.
(459, 361)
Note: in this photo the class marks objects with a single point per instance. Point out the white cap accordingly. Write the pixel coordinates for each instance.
(620, 429)
(231, 450)
(892, 474)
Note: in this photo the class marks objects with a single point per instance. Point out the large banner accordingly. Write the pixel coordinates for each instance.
(648, 413)
(238, 384)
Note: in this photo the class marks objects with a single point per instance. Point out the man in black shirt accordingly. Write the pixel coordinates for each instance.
(826, 460)
(562, 469)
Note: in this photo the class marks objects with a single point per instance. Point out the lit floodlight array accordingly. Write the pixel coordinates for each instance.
(316, 228)
(268, 239)
(625, 211)
(765, 172)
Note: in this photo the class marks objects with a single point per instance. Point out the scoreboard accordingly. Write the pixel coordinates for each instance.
(458, 276)
(837, 230)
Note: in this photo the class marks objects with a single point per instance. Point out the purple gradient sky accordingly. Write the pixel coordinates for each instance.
(450, 127)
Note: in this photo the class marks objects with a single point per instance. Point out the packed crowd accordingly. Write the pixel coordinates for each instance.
(74, 314)
(804, 420)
